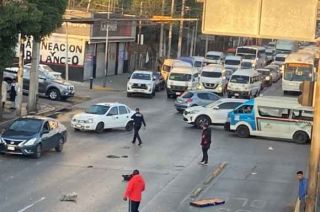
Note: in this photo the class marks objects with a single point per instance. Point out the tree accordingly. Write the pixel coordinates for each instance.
(51, 18)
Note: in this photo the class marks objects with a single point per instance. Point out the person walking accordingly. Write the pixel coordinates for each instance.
(4, 91)
(13, 94)
(138, 120)
(205, 143)
(302, 194)
(135, 187)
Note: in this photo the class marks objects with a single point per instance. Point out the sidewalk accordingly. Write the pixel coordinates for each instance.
(113, 83)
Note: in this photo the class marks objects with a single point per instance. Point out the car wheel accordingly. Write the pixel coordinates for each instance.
(229, 95)
(38, 151)
(179, 110)
(243, 131)
(300, 137)
(169, 96)
(76, 129)
(202, 120)
(54, 94)
(59, 147)
(100, 127)
(128, 94)
(129, 126)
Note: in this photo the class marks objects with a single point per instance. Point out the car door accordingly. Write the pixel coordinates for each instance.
(46, 136)
(112, 118)
(203, 99)
(124, 116)
(43, 82)
(221, 111)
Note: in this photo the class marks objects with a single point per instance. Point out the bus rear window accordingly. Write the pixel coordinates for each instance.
(302, 115)
(273, 112)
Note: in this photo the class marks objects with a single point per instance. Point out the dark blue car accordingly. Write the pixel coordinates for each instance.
(32, 135)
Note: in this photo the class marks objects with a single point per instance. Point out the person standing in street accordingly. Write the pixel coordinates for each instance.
(138, 120)
(302, 194)
(4, 91)
(135, 187)
(13, 94)
(205, 143)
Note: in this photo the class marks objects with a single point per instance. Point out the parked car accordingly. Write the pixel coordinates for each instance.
(51, 83)
(214, 113)
(141, 82)
(32, 135)
(195, 98)
(160, 82)
(266, 77)
(103, 116)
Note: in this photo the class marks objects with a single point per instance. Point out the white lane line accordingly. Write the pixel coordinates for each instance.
(31, 205)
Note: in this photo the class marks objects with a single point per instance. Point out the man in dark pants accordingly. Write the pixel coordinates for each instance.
(138, 120)
(205, 143)
(135, 187)
(303, 186)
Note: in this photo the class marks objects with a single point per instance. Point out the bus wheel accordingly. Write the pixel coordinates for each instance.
(243, 131)
(300, 137)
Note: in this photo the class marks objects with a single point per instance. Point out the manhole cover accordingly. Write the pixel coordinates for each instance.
(112, 156)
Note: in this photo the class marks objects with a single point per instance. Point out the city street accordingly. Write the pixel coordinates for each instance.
(259, 177)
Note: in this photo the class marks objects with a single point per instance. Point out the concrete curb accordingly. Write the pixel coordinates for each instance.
(215, 173)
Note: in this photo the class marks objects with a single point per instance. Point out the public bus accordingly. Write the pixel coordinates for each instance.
(257, 55)
(274, 117)
(298, 67)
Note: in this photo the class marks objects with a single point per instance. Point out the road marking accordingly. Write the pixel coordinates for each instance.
(31, 205)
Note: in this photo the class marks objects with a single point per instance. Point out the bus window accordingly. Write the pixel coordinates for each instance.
(244, 109)
(273, 112)
(302, 115)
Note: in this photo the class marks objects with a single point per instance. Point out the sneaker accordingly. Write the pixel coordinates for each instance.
(202, 163)
(132, 142)
(205, 164)
(140, 144)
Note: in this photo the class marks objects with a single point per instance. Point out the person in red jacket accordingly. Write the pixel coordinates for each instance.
(134, 191)
(205, 143)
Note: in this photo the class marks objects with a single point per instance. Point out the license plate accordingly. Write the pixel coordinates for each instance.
(178, 93)
(12, 148)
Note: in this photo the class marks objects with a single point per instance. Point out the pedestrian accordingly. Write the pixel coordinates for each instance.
(138, 120)
(302, 194)
(135, 187)
(13, 94)
(4, 91)
(205, 143)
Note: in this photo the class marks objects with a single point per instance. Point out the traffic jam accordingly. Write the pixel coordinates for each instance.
(221, 88)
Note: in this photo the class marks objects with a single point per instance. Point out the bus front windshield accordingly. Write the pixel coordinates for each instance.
(298, 72)
(246, 51)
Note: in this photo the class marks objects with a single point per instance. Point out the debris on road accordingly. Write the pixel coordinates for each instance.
(71, 197)
(113, 156)
(90, 166)
(207, 202)
(270, 148)
(124, 156)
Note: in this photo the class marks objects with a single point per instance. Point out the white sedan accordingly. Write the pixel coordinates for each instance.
(214, 113)
(104, 116)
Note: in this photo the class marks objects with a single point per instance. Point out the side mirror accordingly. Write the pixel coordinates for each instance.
(216, 108)
(154, 78)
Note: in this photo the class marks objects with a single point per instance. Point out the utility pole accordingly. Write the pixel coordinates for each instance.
(161, 32)
(195, 39)
(107, 46)
(20, 76)
(140, 32)
(170, 30)
(181, 29)
(192, 41)
(314, 151)
(34, 79)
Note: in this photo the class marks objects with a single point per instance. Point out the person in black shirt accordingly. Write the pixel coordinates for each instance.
(138, 120)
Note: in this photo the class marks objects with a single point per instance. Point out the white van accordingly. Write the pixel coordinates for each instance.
(214, 77)
(168, 64)
(244, 83)
(181, 79)
(232, 62)
(214, 57)
(199, 62)
(257, 55)
(279, 59)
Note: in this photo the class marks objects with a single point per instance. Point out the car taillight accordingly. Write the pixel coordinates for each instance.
(189, 100)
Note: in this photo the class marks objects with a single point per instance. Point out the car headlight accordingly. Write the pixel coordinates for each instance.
(267, 77)
(200, 86)
(130, 83)
(90, 121)
(29, 142)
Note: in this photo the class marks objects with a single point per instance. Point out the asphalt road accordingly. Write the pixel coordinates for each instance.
(259, 177)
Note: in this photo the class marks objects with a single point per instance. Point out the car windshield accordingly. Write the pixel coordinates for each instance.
(98, 109)
(213, 57)
(239, 79)
(264, 72)
(280, 59)
(198, 64)
(246, 65)
(26, 125)
(232, 62)
(211, 74)
(246, 51)
(141, 76)
(180, 77)
(298, 72)
(249, 57)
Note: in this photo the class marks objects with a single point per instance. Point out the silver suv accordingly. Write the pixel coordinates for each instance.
(51, 83)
